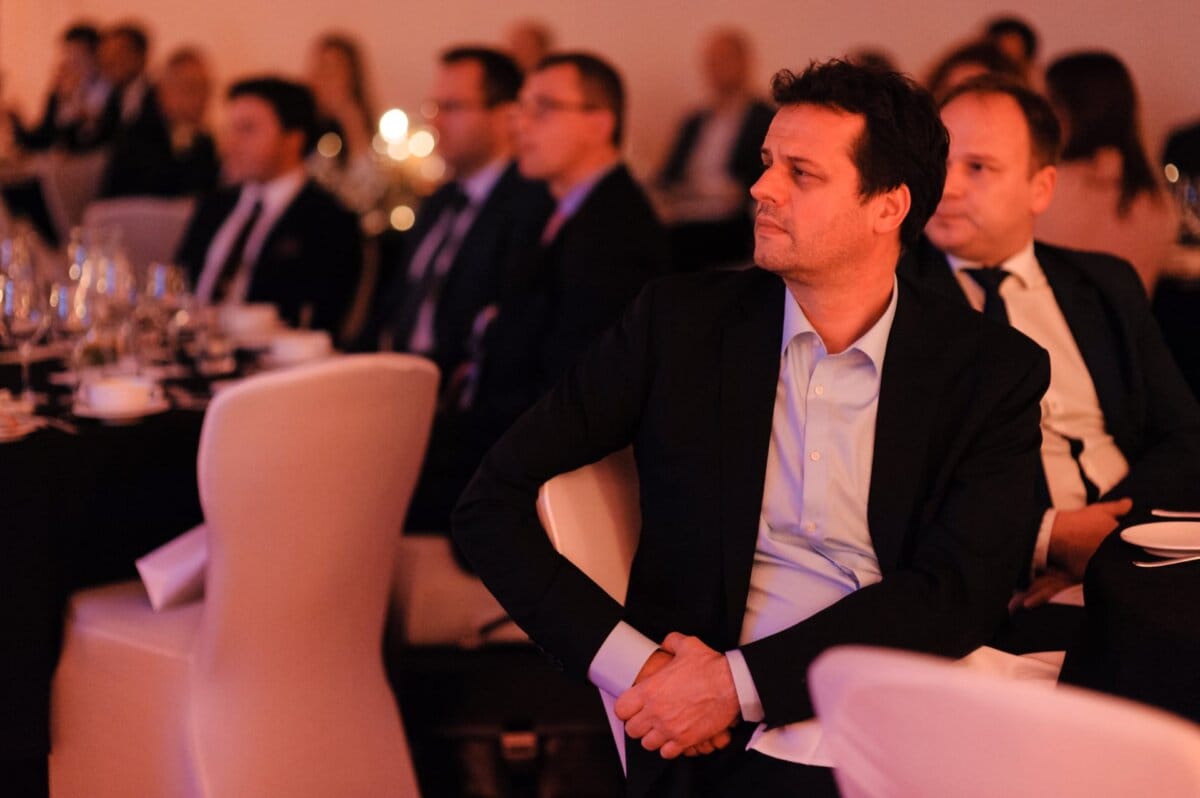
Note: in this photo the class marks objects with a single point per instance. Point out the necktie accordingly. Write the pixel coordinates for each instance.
(553, 225)
(237, 253)
(989, 279)
(428, 286)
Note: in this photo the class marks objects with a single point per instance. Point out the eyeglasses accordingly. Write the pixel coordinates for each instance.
(455, 106)
(540, 107)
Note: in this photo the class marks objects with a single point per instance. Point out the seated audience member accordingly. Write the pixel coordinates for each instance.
(1107, 197)
(1017, 39)
(275, 236)
(600, 246)
(455, 257)
(528, 41)
(967, 61)
(168, 153)
(343, 162)
(122, 55)
(796, 493)
(715, 160)
(1119, 427)
(72, 118)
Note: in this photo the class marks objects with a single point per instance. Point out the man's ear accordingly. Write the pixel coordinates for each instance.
(892, 208)
(1042, 183)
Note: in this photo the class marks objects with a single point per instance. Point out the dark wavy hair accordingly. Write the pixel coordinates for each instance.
(292, 103)
(1094, 94)
(903, 141)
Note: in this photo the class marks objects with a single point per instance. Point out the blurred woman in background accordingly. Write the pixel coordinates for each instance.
(1108, 197)
(343, 161)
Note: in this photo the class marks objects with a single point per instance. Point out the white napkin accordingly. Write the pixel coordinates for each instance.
(174, 572)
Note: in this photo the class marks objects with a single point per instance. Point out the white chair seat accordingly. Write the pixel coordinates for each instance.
(121, 613)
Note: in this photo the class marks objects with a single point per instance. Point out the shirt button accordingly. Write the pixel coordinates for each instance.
(814, 456)
(819, 390)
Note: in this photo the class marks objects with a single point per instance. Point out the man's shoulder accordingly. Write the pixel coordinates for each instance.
(963, 334)
(1113, 276)
(315, 203)
(517, 196)
(679, 299)
(618, 195)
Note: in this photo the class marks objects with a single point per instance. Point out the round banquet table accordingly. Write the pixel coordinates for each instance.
(1141, 636)
(76, 509)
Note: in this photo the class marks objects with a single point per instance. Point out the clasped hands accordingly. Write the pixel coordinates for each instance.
(683, 701)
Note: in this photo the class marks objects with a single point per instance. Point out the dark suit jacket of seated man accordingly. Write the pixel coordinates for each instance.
(556, 298)
(309, 262)
(943, 503)
(506, 224)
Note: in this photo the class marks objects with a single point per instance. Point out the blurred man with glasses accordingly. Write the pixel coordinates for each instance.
(453, 261)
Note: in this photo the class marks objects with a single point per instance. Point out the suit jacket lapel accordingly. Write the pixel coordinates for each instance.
(901, 429)
(749, 372)
(1084, 312)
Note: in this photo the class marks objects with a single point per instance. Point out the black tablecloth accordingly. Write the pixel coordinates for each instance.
(76, 510)
(1141, 636)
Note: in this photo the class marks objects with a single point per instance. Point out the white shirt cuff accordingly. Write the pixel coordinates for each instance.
(620, 659)
(1041, 549)
(743, 683)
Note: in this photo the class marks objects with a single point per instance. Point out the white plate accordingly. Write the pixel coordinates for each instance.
(1165, 538)
(123, 415)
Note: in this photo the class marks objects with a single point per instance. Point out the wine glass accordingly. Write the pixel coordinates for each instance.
(72, 312)
(164, 294)
(25, 311)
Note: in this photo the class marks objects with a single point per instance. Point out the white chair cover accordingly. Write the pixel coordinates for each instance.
(274, 684)
(593, 518)
(69, 183)
(900, 725)
(151, 227)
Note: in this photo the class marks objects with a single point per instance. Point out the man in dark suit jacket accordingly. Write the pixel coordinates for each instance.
(714, 161)
(457, 255)
(276, 236)
(915, 496)
(599, 247)
(167, 152)
(1119, 423)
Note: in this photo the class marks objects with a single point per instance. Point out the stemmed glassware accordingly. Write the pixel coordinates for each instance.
(25, 313)
(164, 295)
(72, 311)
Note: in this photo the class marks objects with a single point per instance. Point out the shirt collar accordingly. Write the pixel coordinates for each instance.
(479, 185)
(569, 204)
(1022, 264)
(275, 194)
(872, 343)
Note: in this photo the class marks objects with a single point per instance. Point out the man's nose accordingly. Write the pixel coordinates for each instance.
(954, 182)
(765, 188)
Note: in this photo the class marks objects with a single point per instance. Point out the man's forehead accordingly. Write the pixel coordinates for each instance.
(993, 121)
(560, 78)
(459, 76)
(818, 129)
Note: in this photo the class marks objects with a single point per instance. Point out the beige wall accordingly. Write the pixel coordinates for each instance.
(652, 42)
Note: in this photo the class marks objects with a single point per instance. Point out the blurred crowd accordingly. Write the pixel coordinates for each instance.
(538, 235)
